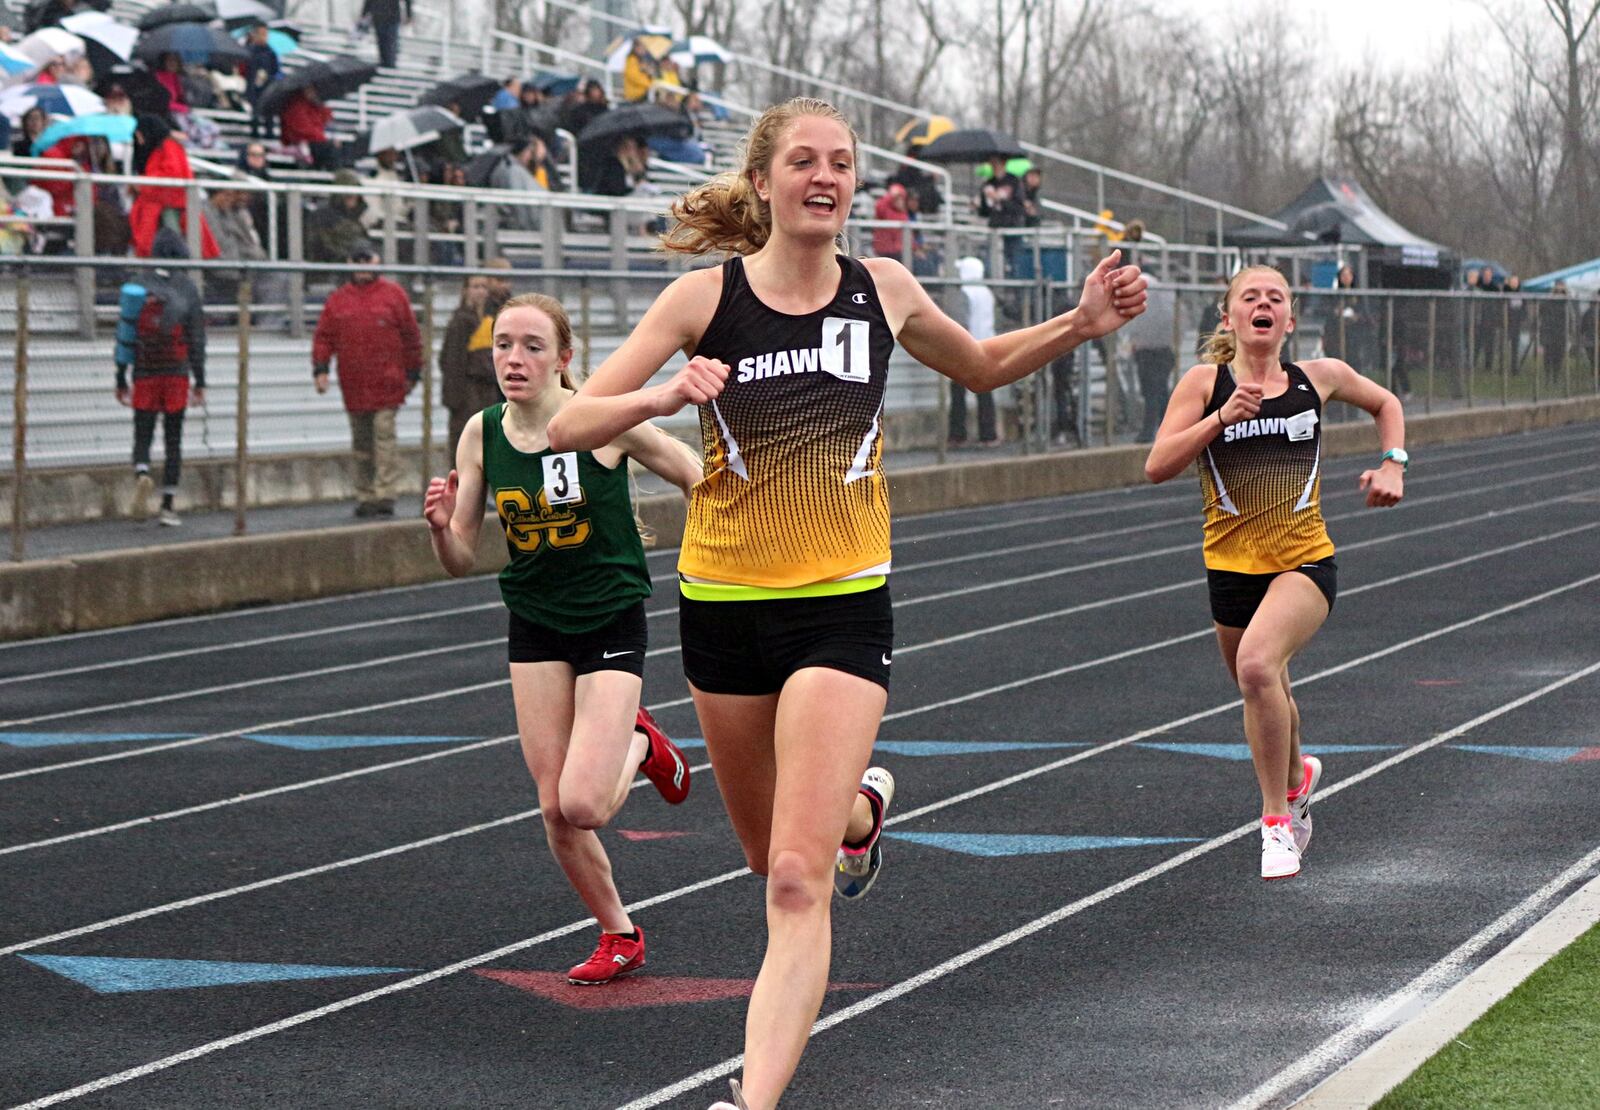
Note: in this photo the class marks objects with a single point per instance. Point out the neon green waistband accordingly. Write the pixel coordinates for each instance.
(724, 591)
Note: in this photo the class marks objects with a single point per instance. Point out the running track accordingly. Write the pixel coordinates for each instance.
(1069, 915)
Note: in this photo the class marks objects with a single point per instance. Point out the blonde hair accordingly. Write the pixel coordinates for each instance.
(1221, 346)
(558, 316)
(726, 213)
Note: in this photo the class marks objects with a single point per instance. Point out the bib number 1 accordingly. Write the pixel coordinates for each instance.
(561, 479)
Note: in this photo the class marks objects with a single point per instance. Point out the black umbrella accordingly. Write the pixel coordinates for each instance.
(176, 13)
(149, 96)
(195, 43)
(481, 166)
(42, 13)
(974, 144)
(333, 78)
(470, 93)
(634, 119)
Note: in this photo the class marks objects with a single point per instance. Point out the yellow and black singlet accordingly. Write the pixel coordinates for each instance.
(794, 493)
(1261, 481)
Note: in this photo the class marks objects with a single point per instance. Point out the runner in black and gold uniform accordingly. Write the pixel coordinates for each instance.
(787, 630)
(1255, 424)
(575, 587)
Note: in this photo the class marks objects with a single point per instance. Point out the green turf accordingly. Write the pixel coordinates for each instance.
(1537, 1047)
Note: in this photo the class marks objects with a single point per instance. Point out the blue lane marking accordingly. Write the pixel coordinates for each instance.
(51, 739)
(330, 743)
(121, 975)
(1241, 751)
(1543, 755)
(1030, 844)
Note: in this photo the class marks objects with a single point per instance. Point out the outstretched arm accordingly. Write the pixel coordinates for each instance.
(1384, 484)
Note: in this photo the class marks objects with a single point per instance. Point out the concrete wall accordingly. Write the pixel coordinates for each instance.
(125, 587)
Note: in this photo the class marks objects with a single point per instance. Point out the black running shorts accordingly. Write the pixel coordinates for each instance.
(618, 646)
(1235, 597)
(752, 647)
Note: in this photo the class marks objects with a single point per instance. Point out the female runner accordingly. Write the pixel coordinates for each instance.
(786, 625)
(1254, 422)
(575, 588)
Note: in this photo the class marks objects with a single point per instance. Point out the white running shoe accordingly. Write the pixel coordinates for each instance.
(1280, 859)
(1300, 808)
(170, 519)
(858, 866)
(738, 1099)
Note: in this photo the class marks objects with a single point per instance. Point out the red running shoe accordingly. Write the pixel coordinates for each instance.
(663, 763)
(614, 957)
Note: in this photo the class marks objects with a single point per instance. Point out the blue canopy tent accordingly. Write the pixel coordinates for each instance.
(1583, 276)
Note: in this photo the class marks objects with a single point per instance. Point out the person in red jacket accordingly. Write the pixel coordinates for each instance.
(157, 154)
(305, 120)
(368, 325)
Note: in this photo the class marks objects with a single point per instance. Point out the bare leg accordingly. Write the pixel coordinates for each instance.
(604, 753)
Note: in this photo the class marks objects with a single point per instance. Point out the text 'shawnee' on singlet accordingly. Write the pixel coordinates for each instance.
(576, 559)
(1261, 481)
(794, 492)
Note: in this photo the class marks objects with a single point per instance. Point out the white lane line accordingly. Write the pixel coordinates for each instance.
(872, 1002)
(1405, 1047)
(1055, 917)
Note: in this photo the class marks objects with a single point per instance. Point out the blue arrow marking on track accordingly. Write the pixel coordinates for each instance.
(1241, 751)
(120, 975)
(1029, 844)
(50, 739)
(1543, 755)
(329, 743)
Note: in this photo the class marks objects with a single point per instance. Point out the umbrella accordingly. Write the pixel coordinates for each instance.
(481, 166)
(281, 42)
(15, 65)
(52, 42)
(412, 128)
(976, 144)
(695, 49)
(921, 132)
(42, 13)
(55, 100)
(195, 43)
(336, 77)
(149, 96)
(470, 93)
(657, 40)
(97, 27)
(558, 84)
(117, 129)
(242, 13)
(634, 119)
(177, 13)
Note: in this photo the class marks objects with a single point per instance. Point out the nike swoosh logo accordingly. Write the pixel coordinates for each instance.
(614, 654)
(886, 660)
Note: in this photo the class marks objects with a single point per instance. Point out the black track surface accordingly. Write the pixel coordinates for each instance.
(1190, 986)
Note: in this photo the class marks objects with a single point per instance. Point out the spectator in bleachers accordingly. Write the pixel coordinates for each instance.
(157, 154)
(1032, 213)
(386, 17)
(169, 75)
(924, 186)
(304, 124)
(971, 304)
(1150, 339)
(260, 71)
(466, 357)
(32, 125)
(1000, 203)
(368, 327)
(639, 71)
(589, 102)
(926, 260)
(389, 170)
(52, 72)
(617, 172)
(506, 98)
(335, 229)
(253, 161)
(228, 212)
(445, 216)
(890, 242)
(111, 232)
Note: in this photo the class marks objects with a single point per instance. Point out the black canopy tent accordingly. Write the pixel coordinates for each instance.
(1337, 210)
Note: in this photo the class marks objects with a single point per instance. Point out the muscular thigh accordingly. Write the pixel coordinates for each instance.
(543, 693)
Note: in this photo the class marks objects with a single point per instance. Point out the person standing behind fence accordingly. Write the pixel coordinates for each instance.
(972, 306)
(1150, 337)
(1553, 332)
(261, 69)
(386, 17)
(161, 337)
(367, 325)
(466, 357)
(157, 154)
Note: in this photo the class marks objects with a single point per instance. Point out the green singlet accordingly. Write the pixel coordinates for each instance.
(576, 560)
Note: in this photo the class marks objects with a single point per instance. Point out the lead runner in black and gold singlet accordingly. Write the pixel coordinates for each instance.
(786, 625)
(1252, 424)
(574, 584)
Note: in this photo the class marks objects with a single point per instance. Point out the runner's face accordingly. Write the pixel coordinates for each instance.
(812, 179)
(1259, 312)
(527, 361)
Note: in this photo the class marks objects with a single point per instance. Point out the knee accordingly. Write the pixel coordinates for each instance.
(1258, 675)
(794, 885)
(583, 812)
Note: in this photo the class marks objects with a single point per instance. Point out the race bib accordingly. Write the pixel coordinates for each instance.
(845, 352)
(561, 479)
(1301, 426)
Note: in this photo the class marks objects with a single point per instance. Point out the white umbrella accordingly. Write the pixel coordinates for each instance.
(15, 65)
(57, 100)
(231, 10)
(411, 128)
(51, 42)
(659, 39)
(115, 36)
(695, 49)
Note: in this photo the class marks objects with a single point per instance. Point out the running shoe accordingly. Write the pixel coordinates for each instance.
(859, 864)
(663, 763)
(614, 957)
(169, 518)
(1280, 859)
(738, 1099)
(1300, 804)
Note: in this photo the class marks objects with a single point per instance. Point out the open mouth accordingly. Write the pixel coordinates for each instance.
(515, 376)
(1261, 322)
(821, 204)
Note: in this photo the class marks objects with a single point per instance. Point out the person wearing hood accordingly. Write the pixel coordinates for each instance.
(368, 326)
(334, 229)
(161, 337)
(157, 154)
(466, 357)
(972, 306)
(889, 242)
(303, 123)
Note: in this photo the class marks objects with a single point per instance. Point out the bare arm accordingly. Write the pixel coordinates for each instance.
(1337, 380)
(613, 400)
(1185, 430)
(1111, 297)
(453, 506)
(662, 454)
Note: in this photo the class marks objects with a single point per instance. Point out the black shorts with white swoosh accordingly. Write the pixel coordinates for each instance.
(617, 646)
(752, 647)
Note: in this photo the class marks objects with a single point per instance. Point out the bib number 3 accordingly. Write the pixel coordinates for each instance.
(561, 479)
